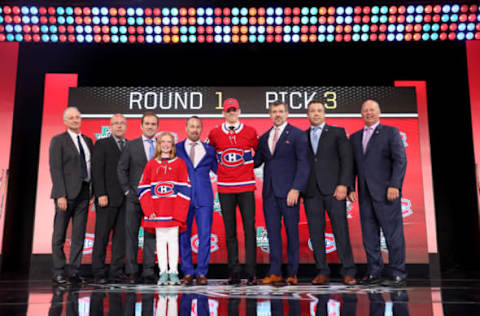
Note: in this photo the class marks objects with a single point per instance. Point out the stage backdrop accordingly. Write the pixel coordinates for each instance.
(174, 104)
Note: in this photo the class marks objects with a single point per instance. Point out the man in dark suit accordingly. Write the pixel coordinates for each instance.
(130, 168)
(284, 151)
(380, 164)
(110, 204)
(70, 172)
(200, 159)
(331, 158)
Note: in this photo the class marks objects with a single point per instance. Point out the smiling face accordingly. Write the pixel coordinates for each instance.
(166, 145)
(370, 112)
(278, 114)
(193, 129)
(231, 115)
(118, 125)
(316, 114)
(149, 126)
(72, 119)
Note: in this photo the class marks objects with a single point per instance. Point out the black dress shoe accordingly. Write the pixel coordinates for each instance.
(119, 278)
(395, 282)
(252, 280)
(59, 279)
(101, 280)
(131, 279)
(77, 279)
(234, 280)
(370, 280)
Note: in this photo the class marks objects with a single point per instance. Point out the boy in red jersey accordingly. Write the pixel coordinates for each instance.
(234, 143)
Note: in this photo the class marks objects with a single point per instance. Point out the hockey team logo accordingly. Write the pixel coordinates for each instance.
(262, 239)
(349, 209)
(330, 245)
(404, 138)
(105, 133)
(164, 189)
(212, 307)
(88, 243)
(213, 243)
(406, 207)
(232, 157)
(216, 205)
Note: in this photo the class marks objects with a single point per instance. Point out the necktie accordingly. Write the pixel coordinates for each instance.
(121, 144)
(316, 138)
(83, 163)
(192, 152)
(367, 133)
(275, 139)
(151, 149)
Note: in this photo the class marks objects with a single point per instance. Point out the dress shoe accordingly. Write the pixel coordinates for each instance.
(252, 280)
(59, 279)
(187, 279)
(371, 280)
(149, 279)
(395, 282)
(292, 280)
(202, 280)
(234, 279)
(349, 280)
(131, 279)
(272, 279)
(101, 280)
(77, 279)
(119, 278)
(321, 280)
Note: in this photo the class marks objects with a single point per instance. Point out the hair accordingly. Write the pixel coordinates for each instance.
(278, 103)
(149, 113)
(68, 109)
(193, 117)
(315, 101)
(158, 149)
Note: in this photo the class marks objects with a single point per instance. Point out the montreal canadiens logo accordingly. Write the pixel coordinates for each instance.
(406, 207)
(232, 157)
(213, 243)
(88, 243)
(329, 243)
(164, 189)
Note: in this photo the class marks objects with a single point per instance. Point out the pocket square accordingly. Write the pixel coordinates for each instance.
(287, 142)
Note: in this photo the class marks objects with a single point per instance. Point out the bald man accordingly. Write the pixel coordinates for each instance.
(69, 158)
(380, 164)
(110, 203)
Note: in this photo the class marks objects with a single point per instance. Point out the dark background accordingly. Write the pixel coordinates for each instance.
(441, 65)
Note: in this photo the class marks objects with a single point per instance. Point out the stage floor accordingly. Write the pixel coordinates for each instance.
(420, 297)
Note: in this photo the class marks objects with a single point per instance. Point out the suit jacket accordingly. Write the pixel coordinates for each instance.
(65, 166)
(130, 168)
(332, 165)
(202, 193)
(384, 163)
(289, 167)
(106, 155)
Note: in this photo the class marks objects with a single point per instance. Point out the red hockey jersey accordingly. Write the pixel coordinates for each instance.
(164, 189)
(235, 157)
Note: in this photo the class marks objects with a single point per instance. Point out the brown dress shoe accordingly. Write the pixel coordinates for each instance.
(202, 280)
(292, 280)
(349, 280)
(187, 279)
(272, 278)
(320, 280)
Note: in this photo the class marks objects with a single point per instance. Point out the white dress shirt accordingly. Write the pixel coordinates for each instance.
(85, 150)
(272, 133)
(199, 151)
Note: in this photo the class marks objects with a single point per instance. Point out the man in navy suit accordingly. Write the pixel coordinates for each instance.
(284, 151)
(380, 163)
(200, 159)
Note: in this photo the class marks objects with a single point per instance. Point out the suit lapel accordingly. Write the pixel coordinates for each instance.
(282, 138)
(323, 135)
(371, 141)
(141, 149)
(113, 144)
(183, 153)
(204, 156)
(71, 144)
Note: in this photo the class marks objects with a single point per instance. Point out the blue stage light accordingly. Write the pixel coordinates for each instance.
(321, 38)
(469, 36)
(461, 36)
(18, 28)
(235, 20)
(113, 29)
(340, 11)
(455, 8)
(226, 30)
(349, 19)
(25, 19)
(192, 38)
(426, 27)
(462, 27)
(123, 38)
(418, 18)
(399, 37)
(356, 28)
(434, 36)
(410, 9)
(425, 36)
(390, 37)
(305, 11)
(365, 28)
(184, 38)
(123, 30)
(330, 38)
(43, 29)
(409, 19)
(270, 11)
(158, 38)
(261, 29)
(244, 11)
(24, 10)
(19, 37)
(95, 11)
(471, 26)
(209, 11)
(209, 20)
(10, 37)
(446, 8)
(130, 11)
(270, 20)
(261, 38)
(296, 29)
(157, 29)
(149, 39)
(115, 38)
(322, 29)
(148, 30)
(355, 37)
(454, 18)
(138, 11)
(183, 29)
(338, 20)
(218, 29)
(106, 21)
(435, 27)
(174, 11)
(45, 38)
(295, 38)
(34, 10)
(218, 38)
(60, 20)
(384, 19)
(304, 20)
(313, 20)
(365, 37)
(445, 18)
(104, 11)
(95, 20)
(165, 11)
(384, 10)
(252, 30)
(235, 11)
(287, 38)
(314, 11)
(53, 29)
(174, 21)
(419, 9)
(391, 28)
(279, 11)
(278, 20)
(400, 27)
(252, 39)
(79, 29)
(69, 11)
(89, 38)
(166, 21)
(192, 29)
(200, 11)
(330, 29)
(349, 10)
(131, 21)
(244, 20)
(80, 38)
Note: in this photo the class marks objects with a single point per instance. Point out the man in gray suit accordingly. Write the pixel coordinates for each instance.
(130, 169)
(70, 154)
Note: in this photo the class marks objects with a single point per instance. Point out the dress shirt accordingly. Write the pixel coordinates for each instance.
(316, 130)
(146, 145)
(272, 133)
(199, 151)
(85, 150)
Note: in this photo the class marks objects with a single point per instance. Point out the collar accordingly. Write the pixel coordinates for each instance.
(321, 126)
(117, 139)
(188, 141)
(374, 126)
(73, 134)
(237, 127)
(144, 138)
(281, 127)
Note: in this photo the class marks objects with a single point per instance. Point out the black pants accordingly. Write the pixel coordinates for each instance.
(246, 204)
(315, 208)
(107, 219)
(133, 219)
(77, 210)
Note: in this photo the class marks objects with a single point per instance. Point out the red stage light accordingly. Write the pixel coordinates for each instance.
(443, 36)
(41, 10)
(366, 10)
(51, 10)
(166, 38)
(304, 38)
(78, 20)
(373, 28)
(140, 38)
(401, 19)
(26, 29)
(235, 38)
(331, 20)
(8, 19)
(122, 11)
(331, 10)
(322, 11)
(175, 30)
(270, 29)
(131, 30)
(27, 37)
(106, 38)
(71, 29)
(373, 37)
(7, 10)
(436, 18)
(175, 38)
(71, 38)
(391, 19)
(86, 11)
(348, 28)
(148, 11)
(464, 8)
(382, 28)
(62, 38)
(244, 38)
(35, 28)
(51, 20)
(417, 37)
(382, 37)
(473, 8)
(36, 38)
(338, 29)
(2, 38)
(472, 18)
(192, 21)
(303, 29)
(244, 30)
(453, 27)
(278, 38)
(96, 38)
(183, 21)
(157, 21)
(217, 11)
(338, 38)
(269, 38)
(417, 28)
(209, 38)
(226, 11)
(62, 29)
(251, 21)
(218, 20)
(209, 30)
(477, 27)
(122, 21)
(252, 11)
(437, 8)
(88, 20)
(96, 29)
(261, 11)
(261, 20)
(201, 38)
(200, 30)
(286, 11)
(183, 11)
(452, 36)
(365, 19)
(192, 11)
(357, 10)
(132, 39)
(357, 19)
(427, 18)
(392, 10)
(105, 29)
(428, 9)
(313, 29)
(296, 20)
(312, 38)
(463, 18)
(477, 35)
(43, 20)
(77, 11)
(156, 12)
(296, 11)
(409, 28)
(166, 30)
(113, 11)
(16, 10)
(444, 27)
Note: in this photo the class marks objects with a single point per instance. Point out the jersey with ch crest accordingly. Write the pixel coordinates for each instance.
(235, 157)
(164, 189)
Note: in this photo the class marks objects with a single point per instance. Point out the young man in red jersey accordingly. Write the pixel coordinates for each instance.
(234, 143)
